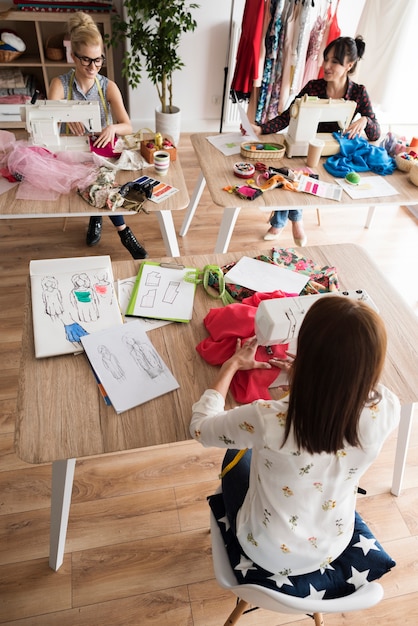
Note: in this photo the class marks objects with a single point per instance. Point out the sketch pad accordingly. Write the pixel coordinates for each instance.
(128, 366)
(162, 292)
(70, 298)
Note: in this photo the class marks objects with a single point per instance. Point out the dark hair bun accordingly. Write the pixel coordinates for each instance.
(360, 45)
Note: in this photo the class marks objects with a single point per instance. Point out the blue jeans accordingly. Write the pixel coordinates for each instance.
(117, 220)
(279, 218)
(235, 484)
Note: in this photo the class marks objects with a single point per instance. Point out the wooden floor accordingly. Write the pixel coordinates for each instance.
(138, 547)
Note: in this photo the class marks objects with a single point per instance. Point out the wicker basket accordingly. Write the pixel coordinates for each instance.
(405, 161)
(54, 48)
(413, 173)
(6, 56)
(265, 151)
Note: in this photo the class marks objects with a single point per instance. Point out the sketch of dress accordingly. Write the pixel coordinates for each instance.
(52, 297)
(144, 356)
(111, 363)
(84, 298)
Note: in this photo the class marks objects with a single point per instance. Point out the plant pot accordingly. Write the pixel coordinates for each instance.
(168, 124)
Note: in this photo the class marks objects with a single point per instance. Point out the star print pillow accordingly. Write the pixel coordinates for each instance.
(362, 561)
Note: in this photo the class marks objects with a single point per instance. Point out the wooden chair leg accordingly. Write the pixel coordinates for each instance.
(64, 226)
(236, 613)
(318, 217)
(319, 619)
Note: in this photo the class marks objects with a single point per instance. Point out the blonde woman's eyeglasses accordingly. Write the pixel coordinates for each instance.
(87, 61)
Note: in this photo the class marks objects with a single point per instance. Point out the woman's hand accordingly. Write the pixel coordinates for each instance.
(107, 135)
(77, 128)
(256, 130)
(284, 364)
(244, 357)
(356, 128)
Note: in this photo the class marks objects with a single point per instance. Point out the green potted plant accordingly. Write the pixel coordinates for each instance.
(153, 29)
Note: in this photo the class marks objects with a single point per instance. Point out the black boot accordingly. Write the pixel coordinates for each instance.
(132, 244)
(94, 231)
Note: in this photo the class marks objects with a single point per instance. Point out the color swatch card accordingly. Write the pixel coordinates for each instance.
(160, 190)
(319, 188)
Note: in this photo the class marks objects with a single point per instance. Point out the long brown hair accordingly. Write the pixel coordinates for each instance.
(340, 356)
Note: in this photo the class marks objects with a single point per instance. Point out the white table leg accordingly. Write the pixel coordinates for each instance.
(168, 232)
(62, 485)
(226, 228)
(370, 215)
(191, 209)
(404, 433)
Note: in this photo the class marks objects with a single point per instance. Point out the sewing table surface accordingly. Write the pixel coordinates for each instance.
(216, 171)
(61, 415)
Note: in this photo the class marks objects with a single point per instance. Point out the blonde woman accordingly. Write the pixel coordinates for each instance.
(85, 82)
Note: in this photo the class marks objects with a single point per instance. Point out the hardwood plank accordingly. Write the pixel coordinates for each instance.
(140, 566)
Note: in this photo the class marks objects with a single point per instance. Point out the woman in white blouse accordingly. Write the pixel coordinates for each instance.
(291, 498)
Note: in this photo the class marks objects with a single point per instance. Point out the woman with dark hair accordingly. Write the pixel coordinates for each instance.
(340, 61)
(290, 500)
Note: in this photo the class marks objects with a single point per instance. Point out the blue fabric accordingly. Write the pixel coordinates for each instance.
(359, 156)
(363, 560)
(279, 218)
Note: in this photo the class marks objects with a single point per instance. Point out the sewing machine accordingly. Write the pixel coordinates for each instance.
(278, 321)
(305, 115)
(46, 119)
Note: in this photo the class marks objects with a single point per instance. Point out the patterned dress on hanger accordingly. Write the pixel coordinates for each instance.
(272, 49)
(313, 62)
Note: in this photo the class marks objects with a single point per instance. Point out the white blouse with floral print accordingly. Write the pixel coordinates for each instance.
(298, 514)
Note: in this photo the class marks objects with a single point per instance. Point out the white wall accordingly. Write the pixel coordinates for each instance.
(198, 87)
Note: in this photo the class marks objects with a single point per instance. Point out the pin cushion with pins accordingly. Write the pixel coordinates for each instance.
(244, 170)
(353, 178)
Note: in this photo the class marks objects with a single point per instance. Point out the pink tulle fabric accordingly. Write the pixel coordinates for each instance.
(45, 175)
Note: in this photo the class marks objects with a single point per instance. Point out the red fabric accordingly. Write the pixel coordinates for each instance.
(227, 324)
(333, 33)
(248, 53)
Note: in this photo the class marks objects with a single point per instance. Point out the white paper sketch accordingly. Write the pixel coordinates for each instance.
(162, 293)
(71, 298)
(128, 366)
(124, 292)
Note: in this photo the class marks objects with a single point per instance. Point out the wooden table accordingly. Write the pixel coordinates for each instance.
(217, 173)
(61, 415)
(72, 205)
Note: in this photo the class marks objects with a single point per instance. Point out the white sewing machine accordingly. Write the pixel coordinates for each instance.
(278, 321)
(305, 115)
(44, 122)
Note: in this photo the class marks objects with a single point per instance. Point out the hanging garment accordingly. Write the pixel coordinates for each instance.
(289, 24)
(272, 50)
(312, 55)
(333, 33)
(247, 61)
(300, 48)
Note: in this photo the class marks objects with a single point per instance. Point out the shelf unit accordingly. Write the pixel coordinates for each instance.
(35, 28)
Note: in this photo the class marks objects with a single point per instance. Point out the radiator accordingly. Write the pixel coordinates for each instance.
(231, 113)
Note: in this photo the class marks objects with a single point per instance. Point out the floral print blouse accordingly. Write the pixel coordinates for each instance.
(298, 514)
